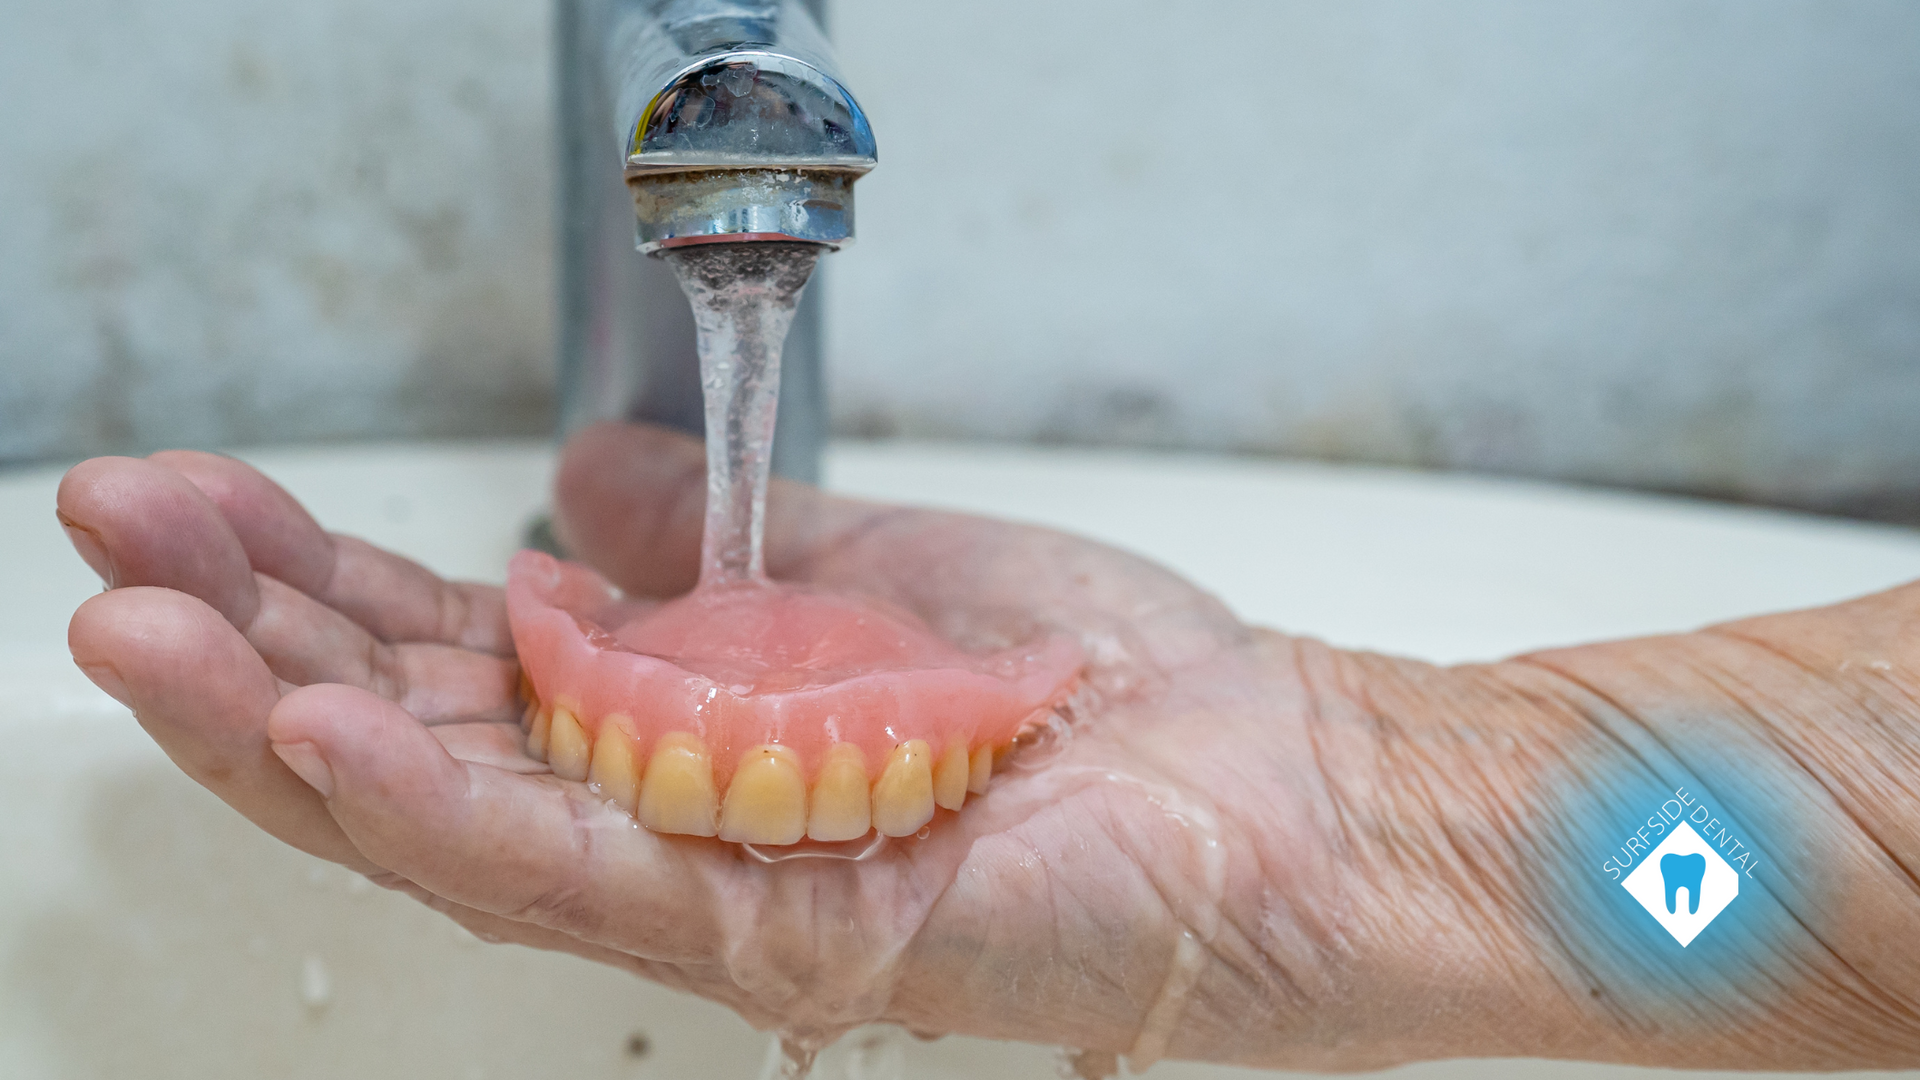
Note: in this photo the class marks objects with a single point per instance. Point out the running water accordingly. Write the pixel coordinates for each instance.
(743, 297)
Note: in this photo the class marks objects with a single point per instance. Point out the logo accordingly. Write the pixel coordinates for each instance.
(1684, 881)
(1684, 884)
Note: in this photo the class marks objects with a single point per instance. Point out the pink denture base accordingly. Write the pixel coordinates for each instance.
(768, 664)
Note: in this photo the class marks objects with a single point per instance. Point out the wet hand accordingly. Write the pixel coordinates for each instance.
(358, 707)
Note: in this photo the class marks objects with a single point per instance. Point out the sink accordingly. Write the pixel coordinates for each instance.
(147, 931)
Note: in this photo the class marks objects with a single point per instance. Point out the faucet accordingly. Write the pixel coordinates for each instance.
(693, 122)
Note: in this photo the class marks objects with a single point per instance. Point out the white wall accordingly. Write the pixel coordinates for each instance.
(1663, 242)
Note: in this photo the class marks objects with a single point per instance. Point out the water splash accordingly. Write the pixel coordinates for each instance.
(743, 296)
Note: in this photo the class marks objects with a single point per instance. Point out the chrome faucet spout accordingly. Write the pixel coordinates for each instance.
(691, 122)
(736, 126)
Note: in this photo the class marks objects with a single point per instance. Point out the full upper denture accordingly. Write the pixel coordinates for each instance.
(765, 714)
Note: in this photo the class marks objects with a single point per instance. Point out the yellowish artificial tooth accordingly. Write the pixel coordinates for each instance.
(903, 796)
(568, 750)
(537, 735)
(981, 771)
(767, 800)
(950, 777)
(526, 716)
(842, 805)
(677, 794)
(614, 768)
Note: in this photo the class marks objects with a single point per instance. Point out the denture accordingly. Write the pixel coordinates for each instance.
(765, 713)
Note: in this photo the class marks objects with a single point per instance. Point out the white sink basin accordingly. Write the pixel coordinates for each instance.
(147, 931)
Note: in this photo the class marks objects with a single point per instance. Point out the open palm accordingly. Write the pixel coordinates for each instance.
(358, 707)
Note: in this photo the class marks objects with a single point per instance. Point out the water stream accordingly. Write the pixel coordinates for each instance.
(743, 296)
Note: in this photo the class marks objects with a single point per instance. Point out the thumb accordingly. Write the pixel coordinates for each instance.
(630, 501)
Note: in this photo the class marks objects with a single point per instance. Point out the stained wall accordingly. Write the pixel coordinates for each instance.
(1664, 244)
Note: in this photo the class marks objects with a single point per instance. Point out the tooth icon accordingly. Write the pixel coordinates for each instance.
(1683, 871)
(1683, 861)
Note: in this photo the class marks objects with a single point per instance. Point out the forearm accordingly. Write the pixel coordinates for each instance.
(1796, 734)
(1494, 813)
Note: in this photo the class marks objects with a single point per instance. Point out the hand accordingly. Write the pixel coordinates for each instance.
(1064, 906)
(1250, 848)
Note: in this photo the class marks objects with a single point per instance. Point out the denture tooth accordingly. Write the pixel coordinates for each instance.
(981, 771)
(842, 805)
(950, 777)
(767, 800)
(903, 796)
(613, 767)
(677, 795)
(537, 735)
(568, 750)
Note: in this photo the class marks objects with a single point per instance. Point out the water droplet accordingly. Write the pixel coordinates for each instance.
(788, 1058)
(316, 984)
(1087, 1064)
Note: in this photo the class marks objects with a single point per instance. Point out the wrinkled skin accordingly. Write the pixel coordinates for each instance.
(1331, 835)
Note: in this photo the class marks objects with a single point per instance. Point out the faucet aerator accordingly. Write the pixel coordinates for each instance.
(676, 209)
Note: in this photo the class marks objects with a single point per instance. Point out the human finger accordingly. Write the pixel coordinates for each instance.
(396, 599)
(523, 847)
(204, 695)
(304, 642)
(148, 525)
(502, 746)
(140, 523)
